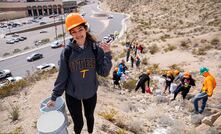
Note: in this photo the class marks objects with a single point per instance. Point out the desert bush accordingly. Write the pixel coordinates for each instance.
(122, 54)
(6, 54)
(130, 84)
(153, 49)
(154, 68)
(109, 115)
(175, 66)
(26, 48)
(201, 51)
(18, 130)
(16, 50)
(184, 44)
(164, 37)
(14, 112)
(44, 41)
(144, 61)
(60, 35)
(216, 43)
(121, 131)
(170, 48)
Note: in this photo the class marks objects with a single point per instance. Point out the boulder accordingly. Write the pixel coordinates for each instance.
(209, 120)
(196, 119)
(202, 129)
(217, 123)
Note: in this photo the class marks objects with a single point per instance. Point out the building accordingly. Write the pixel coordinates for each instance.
(12, 9)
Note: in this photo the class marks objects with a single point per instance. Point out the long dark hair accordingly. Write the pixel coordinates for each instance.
(88, 34)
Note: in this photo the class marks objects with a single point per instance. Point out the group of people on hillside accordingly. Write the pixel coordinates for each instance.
(83, 59)
(133, 52)
(185, 82)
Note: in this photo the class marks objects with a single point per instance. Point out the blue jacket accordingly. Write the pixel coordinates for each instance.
(78, 75)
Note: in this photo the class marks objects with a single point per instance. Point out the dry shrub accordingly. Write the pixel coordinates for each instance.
(130, 84)
(175, 67)
(145, 61)
(170, 48)
(184, 45)
(6, 54)
(121, 131)
(136, 127)
(153, 49)
(18, 130)
(16, 50)
(108, 115)
(216, 43)
(14, 112)
(26, 48)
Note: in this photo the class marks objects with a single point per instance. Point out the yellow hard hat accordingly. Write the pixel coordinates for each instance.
(73, 20)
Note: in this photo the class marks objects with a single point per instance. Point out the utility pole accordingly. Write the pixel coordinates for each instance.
(62, 26)
(56, 35)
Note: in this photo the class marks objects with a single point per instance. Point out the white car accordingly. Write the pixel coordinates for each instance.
(14, 79)
(46, 67)
(9, 80)
(5, 73)
(56, 44)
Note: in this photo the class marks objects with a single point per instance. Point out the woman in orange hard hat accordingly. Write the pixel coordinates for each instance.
(169, 79)
(142, 80)
(80, 62)
(186, 82)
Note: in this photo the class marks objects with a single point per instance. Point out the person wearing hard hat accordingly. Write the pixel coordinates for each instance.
(169, 79)
(142, 80)
(178, 75)
(209, 85)
(186, 82)
(116, 77)
(80, 62)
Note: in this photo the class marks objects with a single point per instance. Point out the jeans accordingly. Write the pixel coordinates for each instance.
(201, 96)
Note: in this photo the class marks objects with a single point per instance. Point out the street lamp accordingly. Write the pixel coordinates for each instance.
(63, 33)
(56, 34)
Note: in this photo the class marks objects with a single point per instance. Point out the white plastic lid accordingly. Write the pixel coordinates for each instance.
(50, 122)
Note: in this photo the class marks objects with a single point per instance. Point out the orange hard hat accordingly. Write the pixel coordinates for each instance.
(73, 20)
(148, 72)
(186, 75)
(116, 69)
(169, 73)
(176, 72)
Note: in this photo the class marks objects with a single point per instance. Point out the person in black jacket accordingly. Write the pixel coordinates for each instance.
(186, 82)
(116, 77)
(169, 79)
(142, 80)
(80, 62)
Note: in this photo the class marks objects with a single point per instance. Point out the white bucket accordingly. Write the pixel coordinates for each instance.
(52, 122)
(173, 87)
(59, 106)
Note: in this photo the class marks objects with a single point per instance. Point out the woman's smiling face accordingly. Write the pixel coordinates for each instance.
(79, 34)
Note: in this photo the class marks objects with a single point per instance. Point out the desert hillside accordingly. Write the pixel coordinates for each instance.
(176, 34)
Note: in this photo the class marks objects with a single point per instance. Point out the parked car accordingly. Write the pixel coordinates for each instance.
(10, 41)
(56, 44)
(110, 17)
(43, 31)
(34, 56)
(23, 37)
(42, 23)
(5, 73)
(14, 79)
(46, 67)
(9, 80)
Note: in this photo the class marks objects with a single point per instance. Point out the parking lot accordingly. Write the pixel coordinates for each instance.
(32, 36)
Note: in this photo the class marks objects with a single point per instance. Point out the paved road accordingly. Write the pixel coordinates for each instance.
(100, 26)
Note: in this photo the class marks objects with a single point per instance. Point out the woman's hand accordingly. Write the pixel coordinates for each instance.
(105, 47)
(51, 103)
